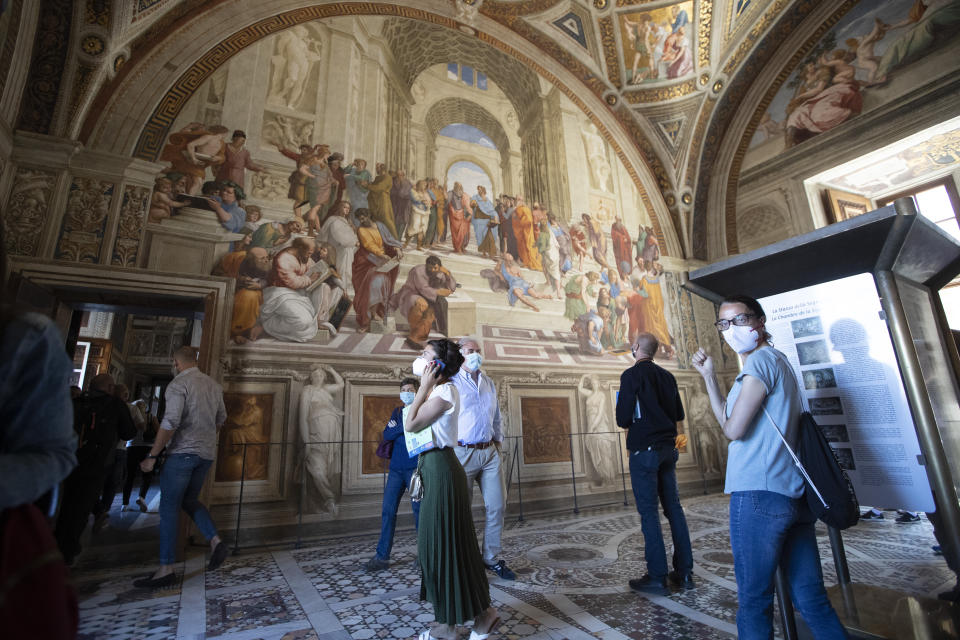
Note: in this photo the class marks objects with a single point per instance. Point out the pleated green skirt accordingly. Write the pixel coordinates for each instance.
(454, 578)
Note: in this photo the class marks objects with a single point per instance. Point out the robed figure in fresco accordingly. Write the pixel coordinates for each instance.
(459, 212)
(378, 199)
(526, 237)
(622, 247)
(372, 288)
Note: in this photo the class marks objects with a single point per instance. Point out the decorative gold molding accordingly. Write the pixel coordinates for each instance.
(703, 28)
(661, 94)
(609, 42)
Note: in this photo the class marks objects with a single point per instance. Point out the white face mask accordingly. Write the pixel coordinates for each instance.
(741, 339)
(473, 361)
(407, 397)
(419, 366)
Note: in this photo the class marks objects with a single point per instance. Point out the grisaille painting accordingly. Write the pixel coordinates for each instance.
(248, 427)
(545, 423)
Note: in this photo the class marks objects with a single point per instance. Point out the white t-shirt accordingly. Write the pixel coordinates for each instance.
(445, 427)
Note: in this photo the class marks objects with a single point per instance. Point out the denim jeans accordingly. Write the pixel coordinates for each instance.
(652, 474)
(397, 483)
(770, 530)
(181, 479)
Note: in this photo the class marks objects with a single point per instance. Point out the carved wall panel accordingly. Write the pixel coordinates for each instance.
(28, 209)
(133, 214)
(81, 234)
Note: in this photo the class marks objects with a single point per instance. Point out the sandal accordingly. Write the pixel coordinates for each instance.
(483, 636)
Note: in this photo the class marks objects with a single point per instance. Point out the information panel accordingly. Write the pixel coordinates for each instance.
(835, 338)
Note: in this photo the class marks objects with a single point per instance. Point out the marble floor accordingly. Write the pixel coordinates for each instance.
(572, 572)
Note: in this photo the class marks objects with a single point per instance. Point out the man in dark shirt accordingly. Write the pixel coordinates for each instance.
(649, 406)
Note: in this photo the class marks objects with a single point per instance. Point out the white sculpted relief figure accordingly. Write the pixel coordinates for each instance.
(321, 420)
(295, 52)
(268, 186)
(286, 132)
(597, 157)
(709, 440)
(602, 446)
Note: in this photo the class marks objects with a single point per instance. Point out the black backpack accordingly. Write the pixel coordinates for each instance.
(828, 491)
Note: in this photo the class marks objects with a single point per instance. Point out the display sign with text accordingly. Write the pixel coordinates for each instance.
(837, 341)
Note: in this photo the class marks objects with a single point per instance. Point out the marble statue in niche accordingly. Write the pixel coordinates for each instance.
(600, 442)
(295, 52)
(321, 428)
(710, 443)
(596, 148)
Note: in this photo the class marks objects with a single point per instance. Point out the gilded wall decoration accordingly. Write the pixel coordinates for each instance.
(27, 210)
(704, 24)
(133, 213)
(545, 424)
(97, 12)
(81, 233)
(609, 43)
(660, 94)
(658, 43)
(243, 450)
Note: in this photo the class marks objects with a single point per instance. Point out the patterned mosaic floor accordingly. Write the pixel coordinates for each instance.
(572, 573)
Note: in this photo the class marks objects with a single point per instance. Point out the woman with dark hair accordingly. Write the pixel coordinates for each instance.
(770, 523)
(454, 578)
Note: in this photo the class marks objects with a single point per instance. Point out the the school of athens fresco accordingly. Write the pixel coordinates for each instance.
(356, 205)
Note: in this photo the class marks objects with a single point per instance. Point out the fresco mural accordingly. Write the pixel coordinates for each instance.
(338, 233)
(860, 64)
(248, 426)
(658, 44)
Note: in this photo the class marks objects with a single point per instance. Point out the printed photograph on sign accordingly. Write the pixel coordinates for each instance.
(806, 327)
(826, 406)
(819, 379)
(813, 352)
(835, 432)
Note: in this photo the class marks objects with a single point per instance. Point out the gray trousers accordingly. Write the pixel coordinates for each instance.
(483, 466)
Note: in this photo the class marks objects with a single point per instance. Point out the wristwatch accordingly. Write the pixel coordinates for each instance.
(151, 456)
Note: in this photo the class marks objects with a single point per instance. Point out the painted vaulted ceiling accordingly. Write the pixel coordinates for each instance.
(113, 74)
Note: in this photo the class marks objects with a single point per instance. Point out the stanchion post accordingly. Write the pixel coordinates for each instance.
(839, 555)
(786, 607)
(623, 476)
(303, 488)
(573, 477)
(243, 477)
(516, 463)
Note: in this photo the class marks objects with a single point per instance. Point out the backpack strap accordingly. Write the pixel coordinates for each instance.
(796, 460)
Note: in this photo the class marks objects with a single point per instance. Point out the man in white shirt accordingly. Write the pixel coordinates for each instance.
(478, 448)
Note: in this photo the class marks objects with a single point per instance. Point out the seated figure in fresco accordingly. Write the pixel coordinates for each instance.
(273, 235)
(298, 299)
(372, 287)
(589, 327)
(421, 300)
(248, 296)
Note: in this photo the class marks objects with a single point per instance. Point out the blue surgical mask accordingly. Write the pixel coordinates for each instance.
(473, 361)
(407, 397)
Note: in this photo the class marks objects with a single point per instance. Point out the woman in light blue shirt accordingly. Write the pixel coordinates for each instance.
(770, 523)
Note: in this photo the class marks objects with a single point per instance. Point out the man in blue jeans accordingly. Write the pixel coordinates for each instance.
(649, 406)
(402, 467)
(193, 415)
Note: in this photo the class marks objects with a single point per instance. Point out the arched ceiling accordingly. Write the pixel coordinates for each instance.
(673, 126)
(458, 110)
(417, 46)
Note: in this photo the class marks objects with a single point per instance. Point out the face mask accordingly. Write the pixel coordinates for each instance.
(741, 339)
(473, 361)
(419, 366)
(407, 397)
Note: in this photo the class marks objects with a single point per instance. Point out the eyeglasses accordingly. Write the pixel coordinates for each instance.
(739, 320)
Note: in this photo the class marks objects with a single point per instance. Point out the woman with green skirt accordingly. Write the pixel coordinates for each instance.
(454, 579)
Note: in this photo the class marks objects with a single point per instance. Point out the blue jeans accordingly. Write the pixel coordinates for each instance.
(770, 530)
(181, 479)
(652, 474)
(397, 483)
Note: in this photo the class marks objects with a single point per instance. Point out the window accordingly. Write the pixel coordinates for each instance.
(466, 74)
(937, 201)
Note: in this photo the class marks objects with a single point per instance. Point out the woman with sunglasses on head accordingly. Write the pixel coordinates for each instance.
(454, 578)
(770, 523)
